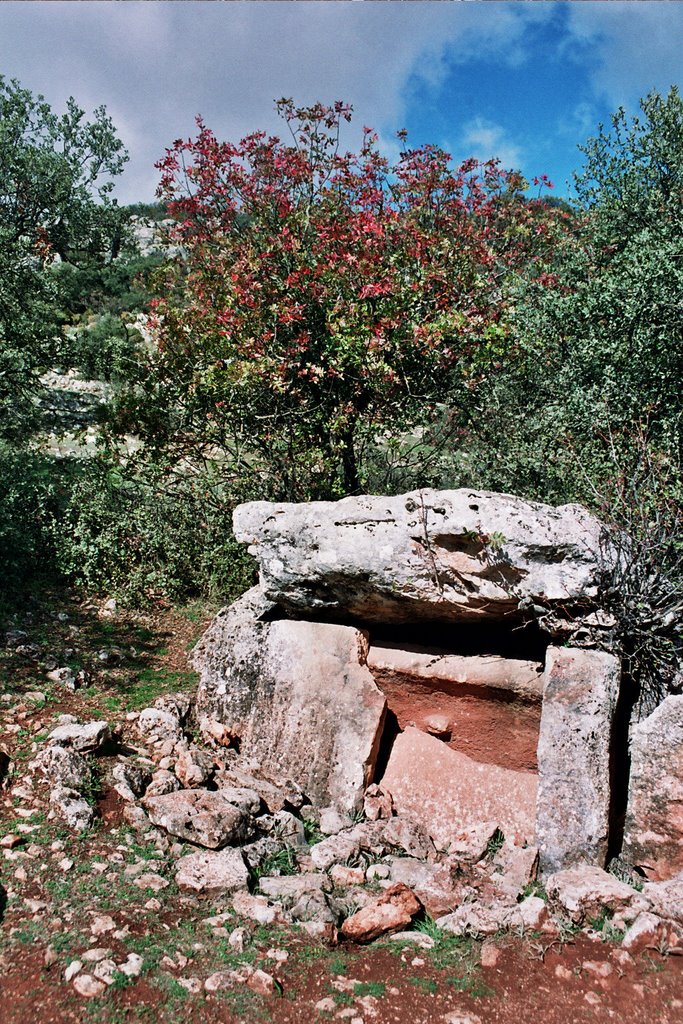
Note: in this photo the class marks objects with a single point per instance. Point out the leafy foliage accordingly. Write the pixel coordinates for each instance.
(54, 205)
(325, 298)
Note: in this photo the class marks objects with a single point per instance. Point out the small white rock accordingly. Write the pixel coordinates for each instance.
(72, 970)
(88, 986)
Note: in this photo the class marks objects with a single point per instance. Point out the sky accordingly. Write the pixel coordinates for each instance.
(524, 81)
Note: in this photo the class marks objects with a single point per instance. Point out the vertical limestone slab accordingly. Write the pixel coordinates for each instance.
(297, 696)
(580, 694)
(653, 834)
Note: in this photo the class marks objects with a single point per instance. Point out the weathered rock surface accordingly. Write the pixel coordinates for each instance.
(579, 700)
(198, 815)
(476, 919)
(89, 736)
(390, 912)
(448, 792)
(212, 873)
(586, 890)
(666, 898)
(653, 834)
(421, 555)
(63, 767)
(299, 697)
(486, 706)
(76, 811)
(292, 887)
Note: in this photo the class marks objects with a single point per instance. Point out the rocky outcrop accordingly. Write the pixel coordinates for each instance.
(427, 555)
(296, 696)
(653, 835)
(579, 701)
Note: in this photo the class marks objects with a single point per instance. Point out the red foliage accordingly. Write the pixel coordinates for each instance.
(334, 286)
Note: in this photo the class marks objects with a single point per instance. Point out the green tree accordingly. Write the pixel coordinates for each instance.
(55, 210)
(324, 298)
(601, 349)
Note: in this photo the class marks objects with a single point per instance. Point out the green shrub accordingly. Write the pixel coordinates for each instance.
(146, 535)
(105, 349)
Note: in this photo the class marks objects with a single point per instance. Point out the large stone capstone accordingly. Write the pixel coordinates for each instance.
(439, 555)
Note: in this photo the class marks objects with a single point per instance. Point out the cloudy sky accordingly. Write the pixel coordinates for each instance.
(524, 81)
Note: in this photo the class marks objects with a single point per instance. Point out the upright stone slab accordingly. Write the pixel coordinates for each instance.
(297, 697)
(653, 834)
(580, 694)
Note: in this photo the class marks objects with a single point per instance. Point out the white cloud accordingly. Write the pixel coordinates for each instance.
(156, 65)
(630, 48)
(484, 140)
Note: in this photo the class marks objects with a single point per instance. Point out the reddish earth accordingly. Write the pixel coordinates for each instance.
(532, 982)
(521, 989)
(490, 707)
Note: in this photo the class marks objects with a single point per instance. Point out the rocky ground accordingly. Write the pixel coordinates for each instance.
(148, 877)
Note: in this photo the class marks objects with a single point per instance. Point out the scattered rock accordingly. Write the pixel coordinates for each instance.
(163, 782)
(261, 982)
(72, 970)
(151, 880)
(460, 1017)
(85, 738)
(344, 876)
(315, 906)
(666, 898)
(93, 956)
(159, 726)
(377, 804)
(194, 767)
(192, 985)
(87, 986)
(102, 924)
(135, 776)
(63, 767)
(419, 939)
(490, 954)
(476, 919)
(335, 850)
(390, 912)
(212, 873)
(401, 831)
(221, 980)
(64, 677)
(198, 815)
(333, 821)
(292, 887)
(77, 813)
(255, 908)
(584, 891)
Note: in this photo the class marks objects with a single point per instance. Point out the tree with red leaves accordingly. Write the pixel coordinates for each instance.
(323, 300)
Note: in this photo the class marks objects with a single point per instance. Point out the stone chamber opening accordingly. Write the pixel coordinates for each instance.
(462, 725)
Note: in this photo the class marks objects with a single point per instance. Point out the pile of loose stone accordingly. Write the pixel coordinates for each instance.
(361, 880)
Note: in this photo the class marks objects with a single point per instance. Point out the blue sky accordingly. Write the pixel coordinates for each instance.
(524, 81)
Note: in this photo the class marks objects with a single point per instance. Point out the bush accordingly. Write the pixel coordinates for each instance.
(146, 535)
(105, 349)
(30, 494)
